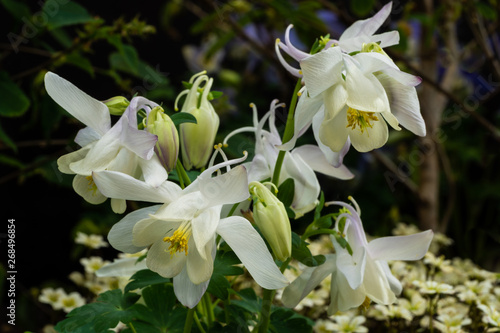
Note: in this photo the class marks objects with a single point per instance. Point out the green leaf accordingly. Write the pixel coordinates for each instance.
(144, 278)
(223, 266)
(76, 59)
(249, 300)
(301, 252)
(6, 139)
(110, 308)
(60, 15)
(126, 60)
(13, 101)
(183, 117)
(319, 206)
(161, 313)
(287, 321)
(17, 9)
(286, 192)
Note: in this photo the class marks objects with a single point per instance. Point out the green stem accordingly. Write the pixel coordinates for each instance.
(288, 134)
(181, 173)
(265, 312)
(189, 321)
(318, 232)
(209, 310)
(132, 327)
(198, 323)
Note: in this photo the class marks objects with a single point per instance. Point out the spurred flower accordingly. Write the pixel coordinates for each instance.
(121, 147)
(298, 164)
(359, 269)
(181, 233)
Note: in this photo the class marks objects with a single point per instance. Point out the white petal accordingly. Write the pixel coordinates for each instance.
(228, 188)
(204, 226)
(258, 169)
(314, 157)
(86, 136)
(118, 205)
(322, 70)
(391, 120)
(352, 267)
(150, 230)
(121, 267)
(153, 171)
(342, 296)
(334, 158)
(310, 278)
(307, 187)
(250, 248)
(374, 62)
(376, 285)
(365, 92)
(64, 162)
(394, 283)
(384, 40)
(335, 99)
(160, 260)
(404, 104)
(88, 110)
(121, 186)
(101, 154)
(368, 26)
(87, 190)
(121, 237)
(305, 110)
(333, 132)
(188, 293)
(184, 208)
(200, 265)
(371, 138)
(141, 142)
(411, 247)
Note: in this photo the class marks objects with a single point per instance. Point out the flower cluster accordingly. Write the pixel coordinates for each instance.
(348, 90)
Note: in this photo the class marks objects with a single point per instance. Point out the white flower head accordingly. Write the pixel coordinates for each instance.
(121, 147)
(349, 97)
(359, 270)
(71, 301)
(181, 233)
(52, 296)
(299, 164)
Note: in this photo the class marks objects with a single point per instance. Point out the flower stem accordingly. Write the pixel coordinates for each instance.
(288, 134)
(189, 321)
(182, 174)
(209, 311)
(265, 312)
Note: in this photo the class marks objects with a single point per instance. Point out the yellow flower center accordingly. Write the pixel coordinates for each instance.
(361, 119)
(179, 240)
(91, 185)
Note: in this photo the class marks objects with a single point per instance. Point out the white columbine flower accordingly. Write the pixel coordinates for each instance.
(359, 271)
(354, 94)
(181, 233)
(121, 147)
(299, 164)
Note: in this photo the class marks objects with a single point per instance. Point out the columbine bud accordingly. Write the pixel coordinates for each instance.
(198, 139)
(117, 105)
(270, 216)
(167, 146)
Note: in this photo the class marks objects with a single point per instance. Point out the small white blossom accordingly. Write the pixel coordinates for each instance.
(348, 324)
(92, 264)
(71, 301)
(52, 296)
(91, 241)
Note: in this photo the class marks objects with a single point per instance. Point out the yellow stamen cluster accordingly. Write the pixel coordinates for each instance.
(360, 118)
(179, 240)
(91, 185)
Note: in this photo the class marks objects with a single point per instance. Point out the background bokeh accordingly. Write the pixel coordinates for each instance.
(447, 181)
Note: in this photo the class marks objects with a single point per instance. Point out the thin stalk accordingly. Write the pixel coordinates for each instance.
(189, 321)
(183, 177)
(198, 323)
(288, 134)
(265, 313)
(209, 310)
